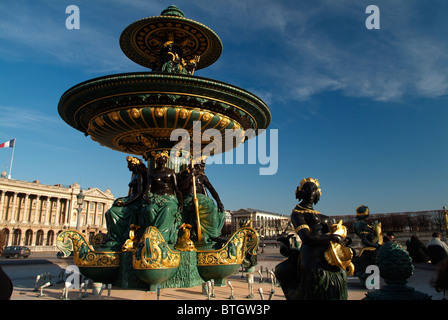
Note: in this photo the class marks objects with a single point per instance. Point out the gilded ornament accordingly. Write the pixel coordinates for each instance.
(303, 226)
(135, 112)
(244, 241)
(183, 113)
(114, 115)
(310, 180)
(224, 122)
(131, 243)
(159, 112)
(83, 254)
(155, 252)
(164, 153)
(99, 121)
(337, 254)
(206, 116)
(362, 210)
(184, 243)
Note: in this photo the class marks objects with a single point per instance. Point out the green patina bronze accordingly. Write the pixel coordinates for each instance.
(396, 268)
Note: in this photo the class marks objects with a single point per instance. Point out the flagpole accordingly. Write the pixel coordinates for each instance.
(12, 156)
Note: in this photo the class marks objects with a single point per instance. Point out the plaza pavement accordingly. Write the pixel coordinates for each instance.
(23, 273)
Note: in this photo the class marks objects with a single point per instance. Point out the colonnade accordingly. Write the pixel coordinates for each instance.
(32, 214)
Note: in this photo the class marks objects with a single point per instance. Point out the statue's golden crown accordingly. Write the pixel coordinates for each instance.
(310, 180)
(164, 153)
(133, 160)
(362, 210)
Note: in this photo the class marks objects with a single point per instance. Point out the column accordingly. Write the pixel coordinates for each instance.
(47, 211)
(2, 202)
(67, 213)
(57, 213)
(35, 210)
(13, 209)
(25, 208)
(103, 215)
(95, 213)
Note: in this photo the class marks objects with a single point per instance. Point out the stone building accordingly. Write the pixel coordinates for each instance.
(267, 224)
(32, 214)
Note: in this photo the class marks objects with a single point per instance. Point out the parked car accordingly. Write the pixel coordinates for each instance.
(16, 252)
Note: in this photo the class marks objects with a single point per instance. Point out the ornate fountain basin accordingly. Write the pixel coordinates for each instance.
(100, 266)
(219, 264)
(154, 261)
(137, 112)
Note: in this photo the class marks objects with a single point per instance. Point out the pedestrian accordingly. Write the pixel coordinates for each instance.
(437, 249)
(441, 282)
(5, 286)
(417, 250)
(389, 237)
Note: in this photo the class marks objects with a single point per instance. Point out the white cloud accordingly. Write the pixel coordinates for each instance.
(23, 118)
(402, 60)
(41, 35)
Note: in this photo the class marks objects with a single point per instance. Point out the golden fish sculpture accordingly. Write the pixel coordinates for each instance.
(337, 254)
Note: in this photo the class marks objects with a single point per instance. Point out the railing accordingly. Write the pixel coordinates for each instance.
(43, 248)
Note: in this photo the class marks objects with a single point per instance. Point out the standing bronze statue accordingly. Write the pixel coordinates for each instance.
(125, 211)
(210, 217)
(163, 200)
(311, 273)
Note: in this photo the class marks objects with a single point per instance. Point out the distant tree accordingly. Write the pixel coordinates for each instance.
(424, 222)
(439, 221)
(2, 241)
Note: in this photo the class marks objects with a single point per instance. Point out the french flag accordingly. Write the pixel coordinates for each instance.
(7, 144)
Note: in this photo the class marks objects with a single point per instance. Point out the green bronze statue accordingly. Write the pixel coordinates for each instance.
(199, 209)
(125, 211)
(371, 238)
(316, 271)
(163, 200)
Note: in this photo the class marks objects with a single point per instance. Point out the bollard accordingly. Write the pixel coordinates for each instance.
(209, 290)
(36, 284)
(86, 284)
(159, 289)
(260, 272)
(260, 291)
(81, 288)
(231, 290)
(64, 296)
(101, 291)
(212, 284)
(42, 289)
(61, 276)
(250, 282)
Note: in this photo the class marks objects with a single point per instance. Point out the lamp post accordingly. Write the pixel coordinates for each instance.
(80, 201)
(445, 213)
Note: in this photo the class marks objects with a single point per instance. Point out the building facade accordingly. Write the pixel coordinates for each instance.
(267, 224)
(33, 214)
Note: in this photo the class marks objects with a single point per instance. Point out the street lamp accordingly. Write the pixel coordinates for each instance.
(80, 201)
(445, 213)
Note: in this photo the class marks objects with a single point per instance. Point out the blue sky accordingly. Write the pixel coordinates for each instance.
(363, 111)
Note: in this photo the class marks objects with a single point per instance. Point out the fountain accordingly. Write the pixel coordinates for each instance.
(137, 114)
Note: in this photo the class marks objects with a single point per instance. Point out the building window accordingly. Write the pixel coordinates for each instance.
(50, 238)
(16, 237)
(28, 237)
(39, 238)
